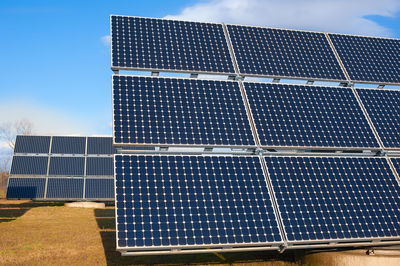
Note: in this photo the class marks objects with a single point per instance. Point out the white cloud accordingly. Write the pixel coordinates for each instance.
(106, 40)
(343, 16)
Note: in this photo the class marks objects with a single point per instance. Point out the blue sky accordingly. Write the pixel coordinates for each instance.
(55, 65)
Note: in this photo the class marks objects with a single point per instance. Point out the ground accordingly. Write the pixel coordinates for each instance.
(33, 233)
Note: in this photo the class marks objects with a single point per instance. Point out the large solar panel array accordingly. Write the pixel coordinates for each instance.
(308, 116)
(67, 168)
(369, 59)
(179, 111)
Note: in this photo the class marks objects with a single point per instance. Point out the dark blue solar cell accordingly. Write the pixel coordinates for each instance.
(148, 43)
(26, 188)
(369, 59)
(98, 166)
(100, 145)
(336, 198)
(65, 188)
(396, 163)
(308, 116)
(284, 53)
(29, 165)
(32, 144)
(67, 166)
(383, 107)
(99, 188)
(179, 111)
(68, 145)
(165, 201)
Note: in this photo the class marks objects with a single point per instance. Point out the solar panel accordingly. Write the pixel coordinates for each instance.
(99, 188)
(26, 188)
(29, 165)
(175, 111)
(98, 166)
(68, 145)
(383, 107)
(160, 44)
(168, 201)
(369, 59)
(65, 188)
(284, 53)
(67, 166)
(308, 116)
(336, 198)
(100, 145)
(32, 144)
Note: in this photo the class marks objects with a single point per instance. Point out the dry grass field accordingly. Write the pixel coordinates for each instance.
(41, 233)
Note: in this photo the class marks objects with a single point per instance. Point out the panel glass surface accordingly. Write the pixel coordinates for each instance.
(165, 201)
(68, 145)
(308, 116)
(383, 107)
(65, 188)
(26, 188)
(284, 53)
(100, 145)
(67, 166)
(148, 43)
(96, 166)
(179, 111)
(32, 144)
(29, 165)
(322, 198)
(99, 188)
(369, 59)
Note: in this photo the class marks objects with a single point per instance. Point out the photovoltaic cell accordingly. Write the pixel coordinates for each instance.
(284, 53)
(369, 59)
(179, 111)
(97, 166)
(32, 144)
(336, 198)
(68, 145)
(26, 188)
(100, 188)
(148, 43)
(308, 116)
(165, 201)
(29, 165)
(67, 166)
(65, 188)
(383, 107)
(396, 163)
(100, 145)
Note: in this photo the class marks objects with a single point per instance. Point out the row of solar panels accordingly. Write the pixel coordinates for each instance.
(198, 201)
(168, 45)
(42, 188)
(182, 111)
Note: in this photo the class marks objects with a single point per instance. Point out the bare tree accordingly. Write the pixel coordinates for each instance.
(9, 131)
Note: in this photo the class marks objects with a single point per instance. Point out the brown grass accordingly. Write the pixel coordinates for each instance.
(49, 233)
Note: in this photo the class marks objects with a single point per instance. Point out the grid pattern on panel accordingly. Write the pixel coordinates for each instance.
(284, 53)
(396, 163)
(165, 201)
(179, 111)
(26, 188)
(383, 107)
(369, 59)
(65, 188)
(308, 116)
(32, 144)
(100, 188)
(68, 145)
(335, 198)
(97, 166)
(29, 165)
(147, 43)
(67, 166)
(100, 145)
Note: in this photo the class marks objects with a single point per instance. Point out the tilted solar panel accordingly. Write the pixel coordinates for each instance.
(100, 145)
(99, 188)
(67, 166)
(175, 111)
(26, 188)
(336, 198)
(65, 188)
(98, 166)
(369, 59)
(160, 44)
(167, 201)
(308, 116)
(68, 145)
(284, 53)
(396, 164)
(383, 107)
(32, 144)
(29, 165)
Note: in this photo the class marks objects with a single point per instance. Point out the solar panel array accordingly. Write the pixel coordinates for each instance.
(67, 168)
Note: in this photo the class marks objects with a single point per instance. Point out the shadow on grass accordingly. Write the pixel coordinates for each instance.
(11, 210)
(105, 219)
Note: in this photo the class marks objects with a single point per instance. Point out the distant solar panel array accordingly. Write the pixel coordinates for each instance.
(62, 168)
